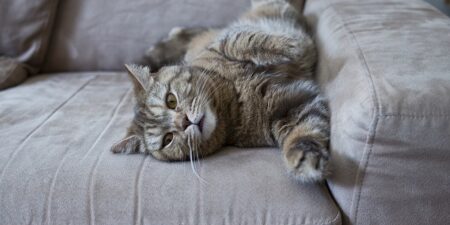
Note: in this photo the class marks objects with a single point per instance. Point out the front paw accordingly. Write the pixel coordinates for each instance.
(171, 49)
(155, 56)
(307, 161)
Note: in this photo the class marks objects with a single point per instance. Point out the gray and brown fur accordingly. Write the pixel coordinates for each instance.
(255, 77)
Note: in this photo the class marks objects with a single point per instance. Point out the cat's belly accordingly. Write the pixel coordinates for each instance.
(263, 100)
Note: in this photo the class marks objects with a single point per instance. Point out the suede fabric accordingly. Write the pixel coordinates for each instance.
(12, 72)
(25, 28)
(56, 167)
(385, 68)
(107, 34)
(384, 65)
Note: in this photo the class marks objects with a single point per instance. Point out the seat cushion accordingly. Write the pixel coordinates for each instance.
(56, 167)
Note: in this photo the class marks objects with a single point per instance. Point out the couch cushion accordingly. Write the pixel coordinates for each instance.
(56, 167)
(25, 28)
(103, 35)
(385, 68)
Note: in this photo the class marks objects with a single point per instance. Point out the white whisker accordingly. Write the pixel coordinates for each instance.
(191, 158)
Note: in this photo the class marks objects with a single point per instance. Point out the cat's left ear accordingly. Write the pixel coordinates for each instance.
(140, 76)
(128, 145)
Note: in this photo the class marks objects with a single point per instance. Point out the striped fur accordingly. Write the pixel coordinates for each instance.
(252, 80)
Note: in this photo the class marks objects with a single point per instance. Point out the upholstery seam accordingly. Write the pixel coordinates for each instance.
(27, 137)
(107, 124)
(360, 175)
(46, 38)
(97, 161)
(138, 183)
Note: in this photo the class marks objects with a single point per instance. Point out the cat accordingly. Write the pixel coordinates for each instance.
(247, 85)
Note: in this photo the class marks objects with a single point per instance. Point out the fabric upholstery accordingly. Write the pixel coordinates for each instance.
(56, 167)
(25, 28)
(107, 34)
(385, 68)
(11, 72)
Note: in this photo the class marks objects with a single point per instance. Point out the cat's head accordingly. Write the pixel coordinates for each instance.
(175, 114)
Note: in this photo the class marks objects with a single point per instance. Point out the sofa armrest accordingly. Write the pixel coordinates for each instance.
(385, 66)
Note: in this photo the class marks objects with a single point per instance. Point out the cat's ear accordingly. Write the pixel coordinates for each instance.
(128, 145)
(140, 76)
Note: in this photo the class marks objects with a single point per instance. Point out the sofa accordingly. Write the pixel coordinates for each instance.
(383, 64)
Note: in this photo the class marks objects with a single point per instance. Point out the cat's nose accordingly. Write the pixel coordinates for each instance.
(185, 122)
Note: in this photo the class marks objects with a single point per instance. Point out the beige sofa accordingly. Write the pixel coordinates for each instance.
(384, 65)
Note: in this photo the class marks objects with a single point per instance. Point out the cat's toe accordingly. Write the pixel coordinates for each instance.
(307, 161)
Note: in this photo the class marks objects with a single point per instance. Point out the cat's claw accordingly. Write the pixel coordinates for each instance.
(307, 161)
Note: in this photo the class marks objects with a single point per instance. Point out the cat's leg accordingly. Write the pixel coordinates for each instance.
(171, 49)
(267, 36)
(303, 136)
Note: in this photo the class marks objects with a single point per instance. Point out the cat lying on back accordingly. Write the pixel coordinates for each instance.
(248, 85)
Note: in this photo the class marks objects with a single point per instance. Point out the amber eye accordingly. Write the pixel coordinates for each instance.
(167, 139)
(171, 101)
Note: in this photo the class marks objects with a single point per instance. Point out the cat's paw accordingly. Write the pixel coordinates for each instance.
(296, 49)
(172, 48)
(307, 161)
(155, 56)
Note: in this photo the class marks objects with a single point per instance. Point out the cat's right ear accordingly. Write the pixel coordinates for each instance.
(128, 145)
(140, 76)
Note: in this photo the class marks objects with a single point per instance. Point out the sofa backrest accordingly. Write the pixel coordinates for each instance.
(104, 34)
(25, 28)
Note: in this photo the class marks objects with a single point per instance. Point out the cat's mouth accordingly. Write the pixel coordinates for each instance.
(199, 124)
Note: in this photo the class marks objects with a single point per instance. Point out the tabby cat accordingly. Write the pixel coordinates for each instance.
(247, 85)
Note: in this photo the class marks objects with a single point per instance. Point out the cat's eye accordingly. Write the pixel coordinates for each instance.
(167, 139)
(171, 101)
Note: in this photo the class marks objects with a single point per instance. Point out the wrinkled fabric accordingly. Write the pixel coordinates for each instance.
(25, 28)
(12, 72)
(104, 35)
(385, 67)
(107, 34)
(56, 167)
